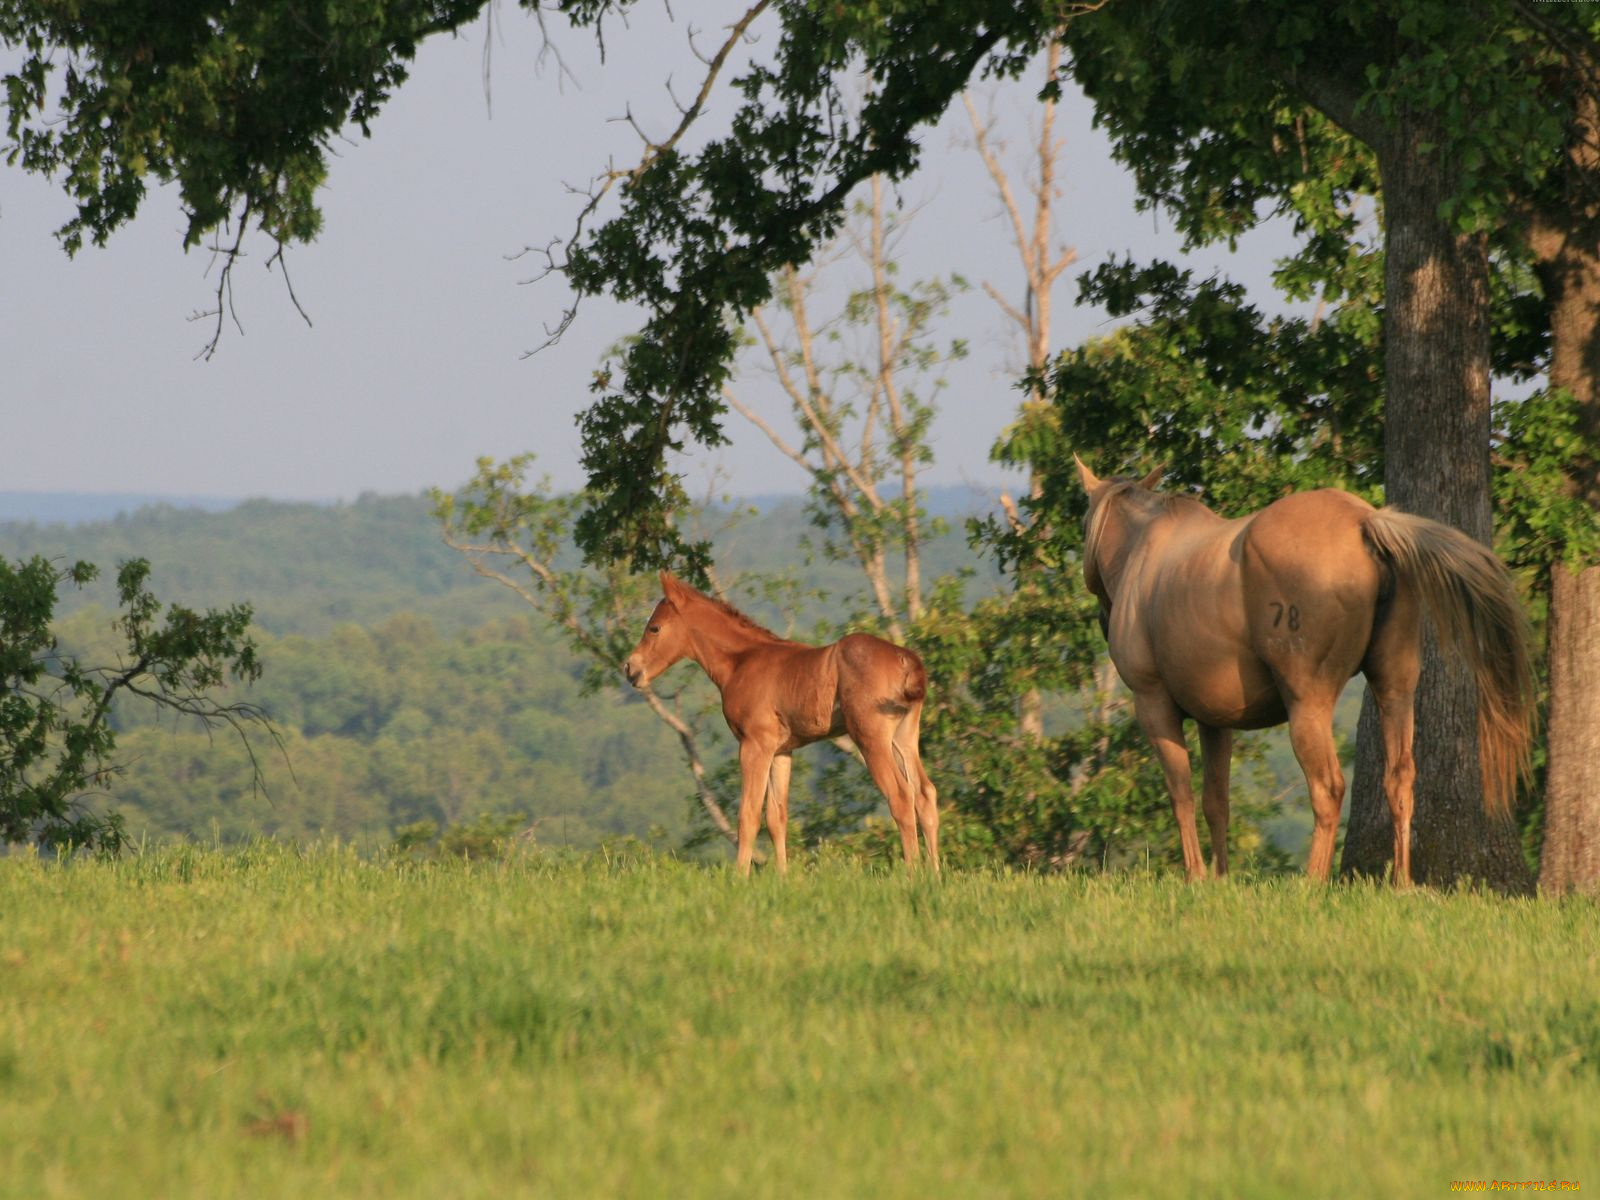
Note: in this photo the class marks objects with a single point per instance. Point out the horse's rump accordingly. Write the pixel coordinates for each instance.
(876, 666)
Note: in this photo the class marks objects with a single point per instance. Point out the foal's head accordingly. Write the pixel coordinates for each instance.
(666, 636)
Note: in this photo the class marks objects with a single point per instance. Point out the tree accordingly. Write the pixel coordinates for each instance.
(863, 420)
(1229, 114)
(1561, 225)
(1042, 265)
(56, 732)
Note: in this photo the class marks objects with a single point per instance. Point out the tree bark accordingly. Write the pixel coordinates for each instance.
(1565, 239)
(1570, 861)
(1436, 464)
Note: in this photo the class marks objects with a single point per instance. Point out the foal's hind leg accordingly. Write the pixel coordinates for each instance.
(778, 809)
(1163, 725)
(874, 737)
(908, 759)
(1216, 753)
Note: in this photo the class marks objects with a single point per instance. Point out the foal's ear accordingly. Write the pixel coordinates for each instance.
(1087, 477)
(673, 588)
(1149, 481)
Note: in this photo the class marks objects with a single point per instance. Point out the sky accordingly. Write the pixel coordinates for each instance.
(422, 314)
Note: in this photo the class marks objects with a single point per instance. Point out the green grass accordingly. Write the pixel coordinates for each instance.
(269, 1023)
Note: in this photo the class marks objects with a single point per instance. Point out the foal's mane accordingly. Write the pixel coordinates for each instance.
(733, 614)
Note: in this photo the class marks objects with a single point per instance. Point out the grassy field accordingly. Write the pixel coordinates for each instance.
(268, 1023)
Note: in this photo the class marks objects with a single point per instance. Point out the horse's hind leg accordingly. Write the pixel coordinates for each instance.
(1163, 725)
(1216, 753)
(1392, 666)
(875, 739)
(778, 809)
(1398, 714)
(907, 737)
(928, 813)
(1311, 734)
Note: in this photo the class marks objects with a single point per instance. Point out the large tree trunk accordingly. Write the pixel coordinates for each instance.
(1565, 239)
(1571, 858)
(1436, 464)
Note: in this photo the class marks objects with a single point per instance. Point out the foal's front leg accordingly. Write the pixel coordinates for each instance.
(1163, 725)
(755, 760)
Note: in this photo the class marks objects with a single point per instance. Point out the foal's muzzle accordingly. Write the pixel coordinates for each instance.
(633, 671)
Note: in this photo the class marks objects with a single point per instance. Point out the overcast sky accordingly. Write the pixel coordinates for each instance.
(414, 364)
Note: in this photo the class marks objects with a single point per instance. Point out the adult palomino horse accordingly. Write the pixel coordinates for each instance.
(1247, 623)
(779, 695)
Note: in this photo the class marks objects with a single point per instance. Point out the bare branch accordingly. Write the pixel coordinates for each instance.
(1006, 306)
(229, 256)
(691, 752)
(773, 436)
(600, 186)
(812, 405)
(283, 265)
(735, 36)
(997, 173)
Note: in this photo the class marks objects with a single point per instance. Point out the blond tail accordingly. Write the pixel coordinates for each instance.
(1469, 595)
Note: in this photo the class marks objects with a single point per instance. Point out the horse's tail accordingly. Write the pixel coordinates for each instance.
(1469, 595)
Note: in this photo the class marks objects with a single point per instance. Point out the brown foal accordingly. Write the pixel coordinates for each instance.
(779, 695)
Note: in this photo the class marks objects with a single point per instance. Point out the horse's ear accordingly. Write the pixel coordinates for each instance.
(1087, 477)
(1149, 481)
(670, 586)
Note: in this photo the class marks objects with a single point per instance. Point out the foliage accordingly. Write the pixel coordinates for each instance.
(237, 104)
(399, 724)
(57, 738)
(1254, 109)
(307, 568)
(1542, 521)
(490, 836)
(314, 1022)
(1215, 391)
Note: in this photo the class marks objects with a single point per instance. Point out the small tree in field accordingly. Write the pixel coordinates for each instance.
(56, 736)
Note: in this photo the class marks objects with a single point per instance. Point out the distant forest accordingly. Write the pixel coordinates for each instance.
(405, 688)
